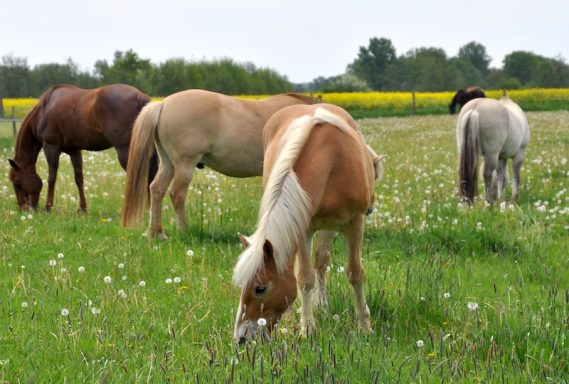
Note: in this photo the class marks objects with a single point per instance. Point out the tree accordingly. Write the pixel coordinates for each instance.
(127, 68)
(15, 77)
(475, 53)
(519, 65)
(373, 62)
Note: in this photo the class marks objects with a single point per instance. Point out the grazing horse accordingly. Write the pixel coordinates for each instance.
(70, 119)
(319, 175)
(497, 130)
(191, 129)
(464, 96)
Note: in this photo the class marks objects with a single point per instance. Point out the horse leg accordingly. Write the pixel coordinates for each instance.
(516, 167)
(157, 191)
(52, 157)
(502, 178)
(306, 281)
(322, 262)
(182, 178)
(490, 178)
(354, 234)
(77, 162)
(122, 155)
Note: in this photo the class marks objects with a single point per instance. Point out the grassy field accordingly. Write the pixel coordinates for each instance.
(457, 294)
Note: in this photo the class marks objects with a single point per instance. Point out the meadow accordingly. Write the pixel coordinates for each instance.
(457, 293)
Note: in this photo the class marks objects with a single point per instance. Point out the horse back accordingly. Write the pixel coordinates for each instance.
(334, 167)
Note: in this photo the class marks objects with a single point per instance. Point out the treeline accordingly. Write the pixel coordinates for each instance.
(17, 79)
(378, 67)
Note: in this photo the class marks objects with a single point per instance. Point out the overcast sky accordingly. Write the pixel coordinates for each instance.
(300, 39)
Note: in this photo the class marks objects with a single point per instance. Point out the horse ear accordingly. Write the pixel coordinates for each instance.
(268, 250)
(378, 159)
(244, 241)
(14, 164)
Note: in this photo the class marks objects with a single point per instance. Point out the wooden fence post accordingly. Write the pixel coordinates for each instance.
(14, 121)
(414, 106)
(1, 107)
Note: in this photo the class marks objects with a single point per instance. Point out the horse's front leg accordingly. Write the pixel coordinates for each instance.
(322, 262)
(306, 281)
(52, 157)
(354, 233)
(77, 162)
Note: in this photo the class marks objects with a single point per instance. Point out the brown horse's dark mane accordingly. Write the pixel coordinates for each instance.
(308, 99)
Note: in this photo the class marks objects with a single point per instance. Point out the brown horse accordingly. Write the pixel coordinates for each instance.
(319, 175)
(191, 129)
(463, 96)
(70, 119)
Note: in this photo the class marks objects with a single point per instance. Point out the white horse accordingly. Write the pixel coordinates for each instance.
(497, 130)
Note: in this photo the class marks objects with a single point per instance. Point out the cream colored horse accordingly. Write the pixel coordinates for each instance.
(191, 129)
(319, 175)
(497, 130)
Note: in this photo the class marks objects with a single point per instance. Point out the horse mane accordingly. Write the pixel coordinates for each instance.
(285, 206)
(308, 99)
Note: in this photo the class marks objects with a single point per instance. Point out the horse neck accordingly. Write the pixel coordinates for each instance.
(27, 145)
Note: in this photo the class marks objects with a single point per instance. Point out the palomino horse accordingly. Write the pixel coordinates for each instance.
(463, 96)
(498, 130)
(191, 129)
(318, 174)
(70, 119)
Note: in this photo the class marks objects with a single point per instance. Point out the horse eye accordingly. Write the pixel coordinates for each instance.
(260, 290)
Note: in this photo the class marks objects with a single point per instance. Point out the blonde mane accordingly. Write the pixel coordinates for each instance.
(284, 211)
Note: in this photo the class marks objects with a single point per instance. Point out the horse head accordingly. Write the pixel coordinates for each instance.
(27, 185)
(265, 298)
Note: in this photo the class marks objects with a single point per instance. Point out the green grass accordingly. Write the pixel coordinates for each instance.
(426, 257)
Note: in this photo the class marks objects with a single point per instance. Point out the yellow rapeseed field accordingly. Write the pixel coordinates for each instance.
(386, 102)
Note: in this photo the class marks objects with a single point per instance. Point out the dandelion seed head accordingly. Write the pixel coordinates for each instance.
(107, 279)
(190, 253)
(446, 295)
(420, 343)
(261, 322)
(168, 281)
(60, 255)
(81, 269)
(64, 312)
(473, 306)
(142, 283)
(24, 304)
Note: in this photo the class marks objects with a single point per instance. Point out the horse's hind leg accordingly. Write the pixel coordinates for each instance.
(322, 262)
(502, 177)
(52, 157)
(354, 236)
(516, 167)
(491, 178)
(77, 162)
(157, 191)
(182, 177)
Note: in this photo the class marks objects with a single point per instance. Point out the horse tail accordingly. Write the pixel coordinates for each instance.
(467, 135)
(284, 213)
(140, 150)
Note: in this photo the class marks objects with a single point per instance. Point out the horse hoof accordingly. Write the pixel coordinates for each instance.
(149, 234)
